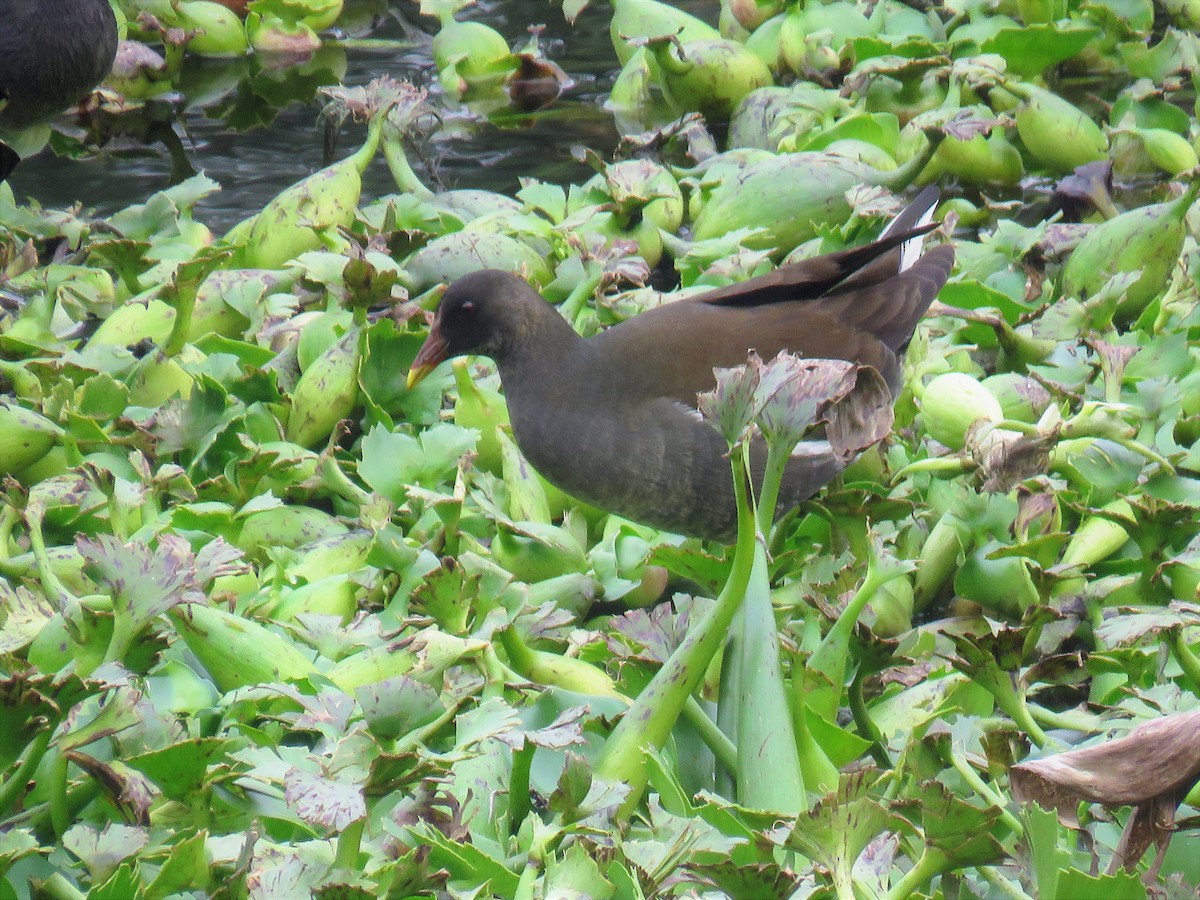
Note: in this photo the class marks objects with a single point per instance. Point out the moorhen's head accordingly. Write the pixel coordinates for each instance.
(486, 313)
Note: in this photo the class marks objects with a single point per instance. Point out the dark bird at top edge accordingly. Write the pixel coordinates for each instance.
(52, 52)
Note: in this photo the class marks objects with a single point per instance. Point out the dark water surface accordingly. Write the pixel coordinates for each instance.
(255, 129)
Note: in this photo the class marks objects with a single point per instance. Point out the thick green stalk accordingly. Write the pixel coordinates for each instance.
(1186, 657)
(714, 738)
(528, 880)
(577, 300)
(768, 496)
(519, 805)
(650, 720)
(830, 657)
(57, 887)
(1002, 884)
(496, 673)
(902, 176)
(60, 815)
(931, 863)
(867, 728)
(349, 843)
(984, 790)
(1020, 714)
(14, 786)
(9, 517)
(668, 61)
(397, 161)
(56, 592)
(126, 628)
(727, 712)
(336, 481)
(569, 672)
(768, 771)
(183, 300)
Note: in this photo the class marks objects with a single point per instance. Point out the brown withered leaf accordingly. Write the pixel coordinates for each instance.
(1088, 187)
(131, 792)
(862, 418)
(537, 82)
(1151, 769)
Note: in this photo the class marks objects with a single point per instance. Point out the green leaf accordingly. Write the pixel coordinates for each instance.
(391, 461)
(103, 851)
(180, 770)
(329, 800)
(959, 831)
(185, 867)
(467, 864)
(387, 355)
(398, 706)
(576, 874)
(1076, 885)
(1031, 49)
(102, 397)
(840, 826)
(124, 883)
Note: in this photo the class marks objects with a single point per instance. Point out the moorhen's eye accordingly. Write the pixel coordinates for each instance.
(460, 312)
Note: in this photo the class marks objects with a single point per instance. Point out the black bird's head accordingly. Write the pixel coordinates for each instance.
(486, 313)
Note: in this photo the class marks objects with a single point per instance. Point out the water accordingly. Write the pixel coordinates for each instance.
(255, 129)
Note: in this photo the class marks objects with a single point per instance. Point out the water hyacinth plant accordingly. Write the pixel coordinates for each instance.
(274, 622)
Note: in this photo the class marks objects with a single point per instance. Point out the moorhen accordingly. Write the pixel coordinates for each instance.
(612, 420)
(52, 52)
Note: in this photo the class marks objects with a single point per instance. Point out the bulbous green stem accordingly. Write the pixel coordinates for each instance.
(770, 772)
(653, 714)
